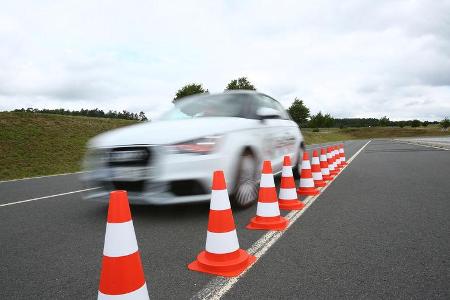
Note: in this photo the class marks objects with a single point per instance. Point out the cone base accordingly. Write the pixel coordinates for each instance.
(229, 268)
(290, 204)
(334, 172)
(327, 177)
(320, 183)
(343, 163)
(307, 191)
(268, 223)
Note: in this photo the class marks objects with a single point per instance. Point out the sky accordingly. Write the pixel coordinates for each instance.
(347, 58)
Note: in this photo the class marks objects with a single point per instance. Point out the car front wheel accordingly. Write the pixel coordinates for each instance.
(245, 192)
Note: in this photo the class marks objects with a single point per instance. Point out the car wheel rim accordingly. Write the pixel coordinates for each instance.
(246, 189)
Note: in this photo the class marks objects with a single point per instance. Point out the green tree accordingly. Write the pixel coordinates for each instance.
(320, 120)
(299, 112)
(317, 120)
(142, 117)
(445, 124)
(328, 121)
(401, 124)
(240, 84)
(416, 123)
(384, 121)
(188, 90)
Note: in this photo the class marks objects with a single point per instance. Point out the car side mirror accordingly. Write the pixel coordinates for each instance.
(268, 113)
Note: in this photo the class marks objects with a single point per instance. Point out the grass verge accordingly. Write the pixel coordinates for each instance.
(44, 144)
(336, 134)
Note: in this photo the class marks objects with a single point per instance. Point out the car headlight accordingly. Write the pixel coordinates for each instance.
(203, 145)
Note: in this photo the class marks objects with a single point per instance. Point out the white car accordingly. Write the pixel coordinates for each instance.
(172, 160)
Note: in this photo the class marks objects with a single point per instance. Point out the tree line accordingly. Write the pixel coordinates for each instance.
(301, 115)
(98, 113)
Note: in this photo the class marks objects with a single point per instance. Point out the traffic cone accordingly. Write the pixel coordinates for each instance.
(316, 171)
(337, 158)
(324, 165)
(307, 187)
(268, 212)
(288, 199)
(122, 276)
(342, 155)
(330, 160)
(222, 255)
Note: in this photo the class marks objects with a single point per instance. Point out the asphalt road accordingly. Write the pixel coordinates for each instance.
(380, 230)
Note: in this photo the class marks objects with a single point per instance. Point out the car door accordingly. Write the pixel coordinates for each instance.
(279, 134)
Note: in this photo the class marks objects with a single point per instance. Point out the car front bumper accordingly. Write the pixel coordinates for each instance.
(171, 179)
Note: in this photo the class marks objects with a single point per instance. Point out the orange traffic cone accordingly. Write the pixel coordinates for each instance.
(268, 212)
(337, 158)
(324, 165)
(316, 171)
(342, 155)
(122, 276)
(330, 160)
(307, 187)
(288, 199)
(222, 255)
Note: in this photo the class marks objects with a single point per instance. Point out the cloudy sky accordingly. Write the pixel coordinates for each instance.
(347, 58)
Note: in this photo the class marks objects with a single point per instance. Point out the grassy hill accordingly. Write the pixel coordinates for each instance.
(44, 144)
(336, 134)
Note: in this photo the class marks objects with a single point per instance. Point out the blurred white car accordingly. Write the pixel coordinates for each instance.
(171, 160)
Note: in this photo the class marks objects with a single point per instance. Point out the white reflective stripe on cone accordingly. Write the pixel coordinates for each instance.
(288, 194)
(306, 164)
(341, 150)
(323, 157)
(317, 175)
(219, 200)
(270, 209)
(306, 182)
(331, 167)
(221, 243)
(120, 239)
(286, 172)
(267, 180)
(325, 171)
(139, 294)
(315, 161)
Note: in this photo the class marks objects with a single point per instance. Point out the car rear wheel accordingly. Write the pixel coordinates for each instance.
(298, 165)
(245, 192)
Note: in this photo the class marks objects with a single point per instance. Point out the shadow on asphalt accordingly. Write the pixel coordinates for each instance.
(170, 212)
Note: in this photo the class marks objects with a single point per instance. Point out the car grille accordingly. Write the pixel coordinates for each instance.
(129, 156)
(129, 186)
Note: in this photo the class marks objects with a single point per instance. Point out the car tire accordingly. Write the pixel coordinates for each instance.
(297, 167)
(245, 192)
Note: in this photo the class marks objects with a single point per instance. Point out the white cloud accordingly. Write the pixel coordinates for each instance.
(350, 59)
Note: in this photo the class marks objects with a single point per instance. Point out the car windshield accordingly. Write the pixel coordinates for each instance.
(207, 106)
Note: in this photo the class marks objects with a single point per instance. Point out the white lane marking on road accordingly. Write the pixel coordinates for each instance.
(423, 145)
(39, 177)
(46, 197)
(219, 286)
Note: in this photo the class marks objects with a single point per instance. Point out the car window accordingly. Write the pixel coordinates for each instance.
(264, 101)
(208, 106)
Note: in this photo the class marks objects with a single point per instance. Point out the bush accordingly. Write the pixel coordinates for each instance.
(316, 130)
